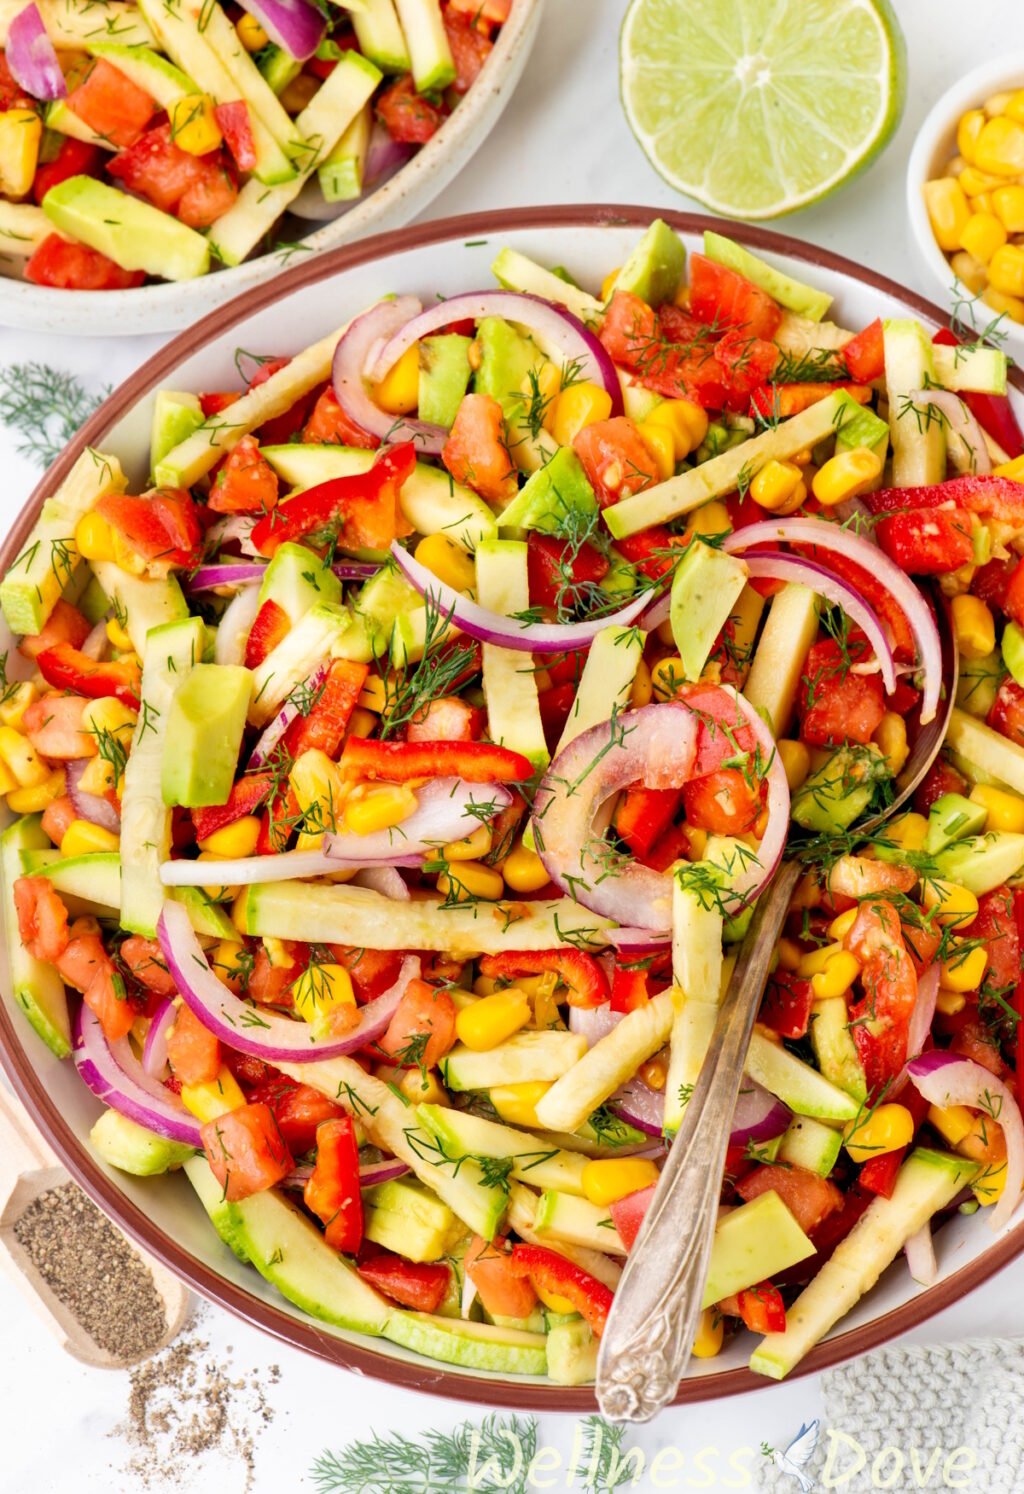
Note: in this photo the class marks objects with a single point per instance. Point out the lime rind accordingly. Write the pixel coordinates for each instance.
(757, 108)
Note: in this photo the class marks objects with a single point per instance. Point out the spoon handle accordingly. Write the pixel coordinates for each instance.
(647, 1341)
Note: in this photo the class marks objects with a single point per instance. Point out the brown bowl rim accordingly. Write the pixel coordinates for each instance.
(303, 1333)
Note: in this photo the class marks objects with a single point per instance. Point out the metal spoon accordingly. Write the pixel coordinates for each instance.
(648, 1339)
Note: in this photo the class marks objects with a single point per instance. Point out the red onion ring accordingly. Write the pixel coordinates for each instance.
(508, 632)
(129, 1090)
(207, 577)
(251, 1030)
(370, 1174)
(273, 733)
(833, 537)
(383, 154)
(594, 1022)
(97, 642)
(758, 1117)
(920, 1253)
(639, 1106)
(363, 336)
(385, 880)
(154, 1049)
(355, 570)
(296, 26)
(946, 1079)
(92, 807)
(923, 1015)
(959, 424)
(32, 57)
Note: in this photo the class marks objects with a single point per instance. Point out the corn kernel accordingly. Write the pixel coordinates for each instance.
(948, 211)
(471, 848)
(983, 234)
(194, 127)
(608, 283)
(891, 736)
(967, 269)
(710, 518)
(374, 694)
(710, 1334)
(788, 952)
(967, 131)
(371, 807)
(575, 408)
(815, 960)
(517, 1103)
(1013, 469)
(1005, 811)
(884, 1129)
(963, 971)
(996, 103)
(846, 475)
(661, 444)
(950, 1003)
(21, 131)
(399, 390)
(319, 991)
(12, 711)
(686, 421)
(952, 904)
(953, 1122)
(469, 879)
(976, 183)
(667, 676)
(1014, 106)
(447, 561)
(81, 838)
(491, 1020)
(1006, 270)
(120, 639)
(606, 1180)
(236, 840)
(999, 148)
(21, 757)
(216, 1097)
(316, 784)
(251, 34)
(837, 977)
(999, 301)
(108, 715)
(653, 1073)
(99, 776)
(361, 723)
(35, 798)
(523, 869)
(94, 538)
(278, 953)
(1008, 206)
(228, 960)
(642, 689)
(423, 1088)
(8, 782)
(974, 627)
(796, 761)
(698, 839)
(779, 487)
(988, 1188)
(841, 926)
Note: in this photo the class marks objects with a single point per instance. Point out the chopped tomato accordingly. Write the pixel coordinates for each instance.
(878, 1175)
(760, 1307)
(643, 815)
(332, 1192)
(42, 918)
(192, 1050)
(74, 158)
(996, 925)
(270, 985)
(476, 451)
(1007, 713)
(53, 724)
(246, 482)
(420, 1285)
(927, 541)
(941, 778)
(195, 189)
(217, 402)
(476, 762)
(786, 1005)
(360, 512)
(880, 1020)
(67, 668)
(86, 965)
(809, 1198)
(324, 725)
(450, 719)
(780, 401)
(499, 1286)
(723, 733)
(551, 1272)
(974, 1041)
(578, 971)
(496, 12)
(145, 960)
(864, 355)
(653, 551)
(245, 798)
(246, 1151)
(63, 265)
(667, 351)
(749, 363)
(858, 877)
(726, 299)
(470, 48)
(727, 802)
(57, 816)
(835, 704)
(616, 459)
(299, 1110)
(111, 104)
(65, 624)
(373, 971)
(628, 1214)
(236, 127)
(162, 526)
(562, 576)
(422, 1029)
(270, 627)
(673, 846)
(330, 426)
(11, 93)
(407, 116)
(991, 582)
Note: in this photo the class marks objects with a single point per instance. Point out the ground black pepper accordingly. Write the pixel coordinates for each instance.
(91, 1268)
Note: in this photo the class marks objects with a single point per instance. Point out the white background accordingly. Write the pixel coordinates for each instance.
(562, 139)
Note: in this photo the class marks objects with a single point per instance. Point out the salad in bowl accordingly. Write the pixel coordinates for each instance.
(396, 771)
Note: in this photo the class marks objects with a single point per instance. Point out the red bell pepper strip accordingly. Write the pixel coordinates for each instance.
(551, 1272)
(643, 815)
(332, 1192)
(786, 1006)
(673, 846)
(629, 988)
(236, 128)
(864, 355)
(927, 541)
(576, 969)
(162, 526)
(987, 495)
(363, 511)
(324, 725)
(420, 1285)
(67, 668)
(780, 401)
(993, 412)
(878, 1175)
(476, 762)
(270, 627)
(761, 1308)
(245, 798)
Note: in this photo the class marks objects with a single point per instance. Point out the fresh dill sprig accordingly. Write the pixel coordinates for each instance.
(495, 1455)
(45, 406)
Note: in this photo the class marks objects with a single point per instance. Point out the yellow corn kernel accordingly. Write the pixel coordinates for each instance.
(94, 538)
(884, 1129)
(687, 422)
(378, 806)
(22, 758)
(1013, 108)
(841, 926)
(710, 518)
(779, 487)
(661, 444)
(1013, 469)
(316, 784)
(710, 1334)
(815, 960)
(227, 959)
(235, 840)
(216, 1097)
(109, 716)
(796, 761)
(891, 736)
(963, 971)
(606, 1180)
(81, 838)
(471, 848)
(399, 391)
(523, 870)
(949, 1003)
(838, 976)
(967, 131)
(120, 639)
(21, 131)
(553, 1302)
(951, 903)
(846, 475)
(788, 953)
(194, 127)
(35, 798)
(361, 723)
(1006, 270)
(8, 782)
(976, 183)
(98, 776)
(517, 1103)
(125, 557)
(1005, 811)
(653, 1073)
(1008, 206)
(423, 1088)
(983, 234)
(990, 1185)
(974, 627)
(698, 841)
(953, 1122)
(1005, 305)
(491, 1020)
(967, 269)
(469, 879)
(999, 148)
(374, 694)
(278, 952)
(578, 406)
(447, 561)
(642, 688)
(12, 711)
(320, 990)
(667, 676)
(948, 211)
(251, 34)
(608, 283)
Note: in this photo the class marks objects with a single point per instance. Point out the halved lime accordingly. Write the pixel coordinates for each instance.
(758, 107)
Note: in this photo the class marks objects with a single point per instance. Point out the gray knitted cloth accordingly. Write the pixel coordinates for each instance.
(965, 1400)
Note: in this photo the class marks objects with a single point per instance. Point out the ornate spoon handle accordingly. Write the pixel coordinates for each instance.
(650, 1331)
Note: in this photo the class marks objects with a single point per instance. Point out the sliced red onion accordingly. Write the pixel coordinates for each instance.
(236, 528)
(270, 737)
(923, 1015)
(382, 1172)
(96, 644)
(639, 1106)
(594, 1022)
(234, 627)
(129, 1090)
(355, 570)
(946, 1079)
(295, 25)
(290, 866)
(840, 541)
(385, 880)
(920, 1253)
(32, 57)
(364, 335)
(246, 1027)
(468, 1295)
(636, 942)
(758, 1117)
(383, 154)
(92, 807)
(208, 577)
(509, 632)
(965, 442)
(154, 1050)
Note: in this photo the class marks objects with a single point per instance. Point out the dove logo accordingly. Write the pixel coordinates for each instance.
(798, 1454)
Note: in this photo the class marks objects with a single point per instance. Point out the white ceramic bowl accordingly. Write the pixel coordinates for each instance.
(170, 307)
(163, 1213)
(934, 147)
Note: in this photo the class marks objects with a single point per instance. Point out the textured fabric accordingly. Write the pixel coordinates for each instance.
(967, 1396)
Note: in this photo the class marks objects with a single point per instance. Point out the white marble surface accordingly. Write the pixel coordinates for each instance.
(562, 139)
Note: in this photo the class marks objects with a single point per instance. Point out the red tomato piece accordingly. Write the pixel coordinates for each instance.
(809, 1198)
(476, 451)
(562, 576)
(996, 926)
(616, 460)
(760, 1307)
(236, 127)
(450, 719)
(195, 189)
(673, 846)
(86, 965)
(1013, 602)
(217, 402)
(941, 778)
(330, 426)
(628, 1214)
(835, 704)
(53, 724)
(422, 1029)
(991, 582)
(499, 1286)
(748, 363)
(420, 1285)
(974, 1041)
(192, 1050)
(1007, 713)
(880, 1020)
(723, 733)
(42, 918)
(864, 355)
(643, 815)
(726, 299)
(162, 526)
(878, 1175)
(246, 1151)
(74, 158)
(629, 988)
(406, 115)
(245, 798)
(470, 48)
(65, 266)
(723, 803)
(780, 401)
(332, 1192)
(373, 971)
(111, 104)
(786, 1005)
(927, 541)
(144, 959)
(65, 624)
(299, 1110)
(246, 483)
(11, 94)
(57, 816)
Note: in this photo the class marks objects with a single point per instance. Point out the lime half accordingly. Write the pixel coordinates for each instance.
(758, 107)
